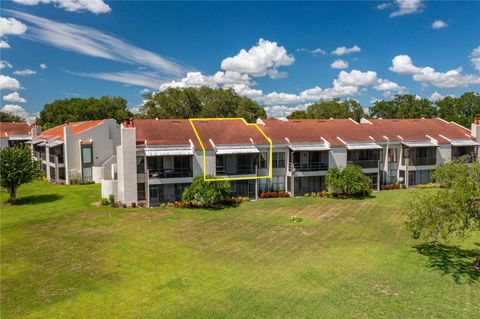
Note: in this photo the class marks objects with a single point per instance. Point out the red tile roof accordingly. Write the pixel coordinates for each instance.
(165, 132)
(350, 131)
(56, 132)
(14, 128)
(225, 132)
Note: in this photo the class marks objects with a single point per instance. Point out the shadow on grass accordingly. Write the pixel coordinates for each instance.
(452, 260)
(38, 199)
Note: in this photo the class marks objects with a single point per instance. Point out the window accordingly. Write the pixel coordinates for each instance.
(262, 185)
(392, 175)
(86, 154)
(262, 160)
(278, 159)
(392, 155)
(278, 183)
(140, 165)
(141, 191)
(87, 174)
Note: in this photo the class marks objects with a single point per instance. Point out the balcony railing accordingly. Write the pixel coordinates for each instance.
(365, 163)
(170, 172)
(239, 170)
(39, 155)
(59, 158)
(308, 167)
(422, 161)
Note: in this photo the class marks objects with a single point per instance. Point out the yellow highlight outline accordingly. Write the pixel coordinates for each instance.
(205, 151)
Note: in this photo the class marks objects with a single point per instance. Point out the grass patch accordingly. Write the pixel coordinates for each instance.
(61, 257)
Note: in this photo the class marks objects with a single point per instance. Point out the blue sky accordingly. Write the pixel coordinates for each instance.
(284, 55)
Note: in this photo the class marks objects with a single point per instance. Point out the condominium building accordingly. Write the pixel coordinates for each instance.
(156, 159)
(77, 152)
(16, 133)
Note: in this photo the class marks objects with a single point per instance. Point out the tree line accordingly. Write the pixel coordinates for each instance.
(208, 102)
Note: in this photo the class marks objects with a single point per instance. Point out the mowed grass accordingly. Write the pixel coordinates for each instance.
(61, 257)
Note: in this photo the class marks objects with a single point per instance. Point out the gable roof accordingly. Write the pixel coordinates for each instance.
(164, 132)
(56, 133)
(14, 128)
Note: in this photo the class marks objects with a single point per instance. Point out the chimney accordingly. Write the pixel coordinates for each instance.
(476, 128)
(67, 122)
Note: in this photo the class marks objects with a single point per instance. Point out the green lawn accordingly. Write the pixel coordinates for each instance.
(62, 257)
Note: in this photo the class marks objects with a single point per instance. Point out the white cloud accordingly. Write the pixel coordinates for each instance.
(407, 7)
(402, 64)
(339, 64)
(14, 97)
(384, 5)
(5, 64)
(92, 42)
(8, 83)
(145, 91)
(11, 26)
(357, 78)
(95, 6)
(197, 79)
(262, 59)
(145, 79)
(314, 51)
(435, 97)
(344, 50)
(19, 111)
(439, 24)
(386, 85)
(4, 45)
(475, 58)
(43, 66)
(25, 72)
(281, 111)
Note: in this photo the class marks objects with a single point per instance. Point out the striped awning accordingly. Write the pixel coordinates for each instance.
(238, 149)
(169, 151)
(464, 143)
(420, 144)
(363, 146)
(308, 147)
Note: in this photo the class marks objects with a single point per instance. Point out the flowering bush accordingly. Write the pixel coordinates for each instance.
(273, 194)
(388, 187)
(318, 194)
(431, 185)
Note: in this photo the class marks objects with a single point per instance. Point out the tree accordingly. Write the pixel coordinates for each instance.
(80, 109)
(350, 181)
(17, 167)
(200, 102)
(453, 211)
(325, 109)
(208, 193)
(403, 106)
(461, 110)
(8, 117)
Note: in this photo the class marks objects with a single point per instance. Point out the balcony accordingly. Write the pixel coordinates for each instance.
(422, 161)
(238, 170)
(39, 155)
(59, 158)
(308, 167)
(364, 163)
(170, 172)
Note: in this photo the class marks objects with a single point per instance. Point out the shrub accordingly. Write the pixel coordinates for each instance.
(208, 193)
(350, 181)
(111, 200)
(273, 194)
(391, 186)
(105, 201)
(431, 185)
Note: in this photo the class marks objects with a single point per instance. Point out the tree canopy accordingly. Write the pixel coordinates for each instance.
(207, 193)
(80, 109)
(403, 106)
(461, 110)
(450, 211)
(349, 181)
(325, 109)
(200, 102)
(17, 167)
(8, 117)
